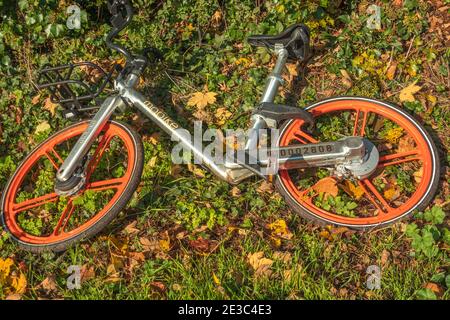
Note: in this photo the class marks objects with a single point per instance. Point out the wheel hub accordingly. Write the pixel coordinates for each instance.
(363, 167)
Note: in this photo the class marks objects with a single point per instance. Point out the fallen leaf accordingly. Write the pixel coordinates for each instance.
(158, 286)
(390, 73)
(284, 257)
(418, 175)
(393, 135)
(406, 144)
(437, 289)
(202, 99)
(49, 284)
(346, 79)
(196, 170)
(280, 229)
(50, 106)
(200, 244)
(14, 296)
(131, 228)
(216, 279)
(385, 257)
(327, 186)
(164, 243)
(235, 192)
(222, 115)
(36, 99)
(19, 283)
(265, 187)
(407, 93)
(260, 265)
(354, 191)
(87, 273)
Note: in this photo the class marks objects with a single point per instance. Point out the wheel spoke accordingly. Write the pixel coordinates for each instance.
(366, 183)
(106, 184)
(359, 131)
(396, 158)
(35, 202)
(55, 154)
(64, 219)
(304, 136)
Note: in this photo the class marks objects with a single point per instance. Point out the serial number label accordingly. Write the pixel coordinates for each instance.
(227, 309)
(302, 150)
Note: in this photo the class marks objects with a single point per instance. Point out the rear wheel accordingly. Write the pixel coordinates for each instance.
(406, 178)
(39, 219)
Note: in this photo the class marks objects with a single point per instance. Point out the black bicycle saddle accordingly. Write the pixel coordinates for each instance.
(295, 39)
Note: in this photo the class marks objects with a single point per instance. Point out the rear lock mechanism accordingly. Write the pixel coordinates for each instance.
(350, 156)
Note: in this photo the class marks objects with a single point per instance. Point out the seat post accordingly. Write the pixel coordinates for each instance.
(273, 83)
(275, 78)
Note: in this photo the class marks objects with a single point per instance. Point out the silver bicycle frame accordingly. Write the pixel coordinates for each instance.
(229, 171)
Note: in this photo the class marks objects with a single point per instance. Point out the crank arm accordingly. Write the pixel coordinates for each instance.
(84, 143)
(346, 151)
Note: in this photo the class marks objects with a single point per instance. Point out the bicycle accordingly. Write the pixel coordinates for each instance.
(354, 157)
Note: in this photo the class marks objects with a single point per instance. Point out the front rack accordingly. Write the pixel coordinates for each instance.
(76, 86)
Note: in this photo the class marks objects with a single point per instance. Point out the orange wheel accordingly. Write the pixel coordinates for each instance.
(39, 219)
(405, 180)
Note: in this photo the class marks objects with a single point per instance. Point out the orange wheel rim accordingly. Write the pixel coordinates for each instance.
(362, 109)
(11, 208)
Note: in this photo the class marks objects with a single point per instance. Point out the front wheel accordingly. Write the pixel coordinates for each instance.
(38, 219)
(406, 178)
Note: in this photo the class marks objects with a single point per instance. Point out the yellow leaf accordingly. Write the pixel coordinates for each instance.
(216, 17)
(292, 69)
(216, 279)
(354, 191)
(326, 186)
(407, 93)
(260, 265)
(19, 284)
(42, 127)
(222, 114)
(164, 243)
(391, 194)
(202, 99)
(5, 269)
(280, 229)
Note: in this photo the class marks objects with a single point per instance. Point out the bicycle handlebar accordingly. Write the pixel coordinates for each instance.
(122, 14)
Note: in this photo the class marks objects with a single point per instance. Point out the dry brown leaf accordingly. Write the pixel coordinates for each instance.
(406, 144)
(260, 265)
(131, 228)
(200, 244)
(265, 187)
(346, 79)
(196, 170)
(14, 296)
(390, 72)
(36, 99)
(158, 286)
(49, 284)
(437, 289)
(202, 99)
(407, 93)
(50, 106)
(385, 257)
(235, 192)
(327, 186)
